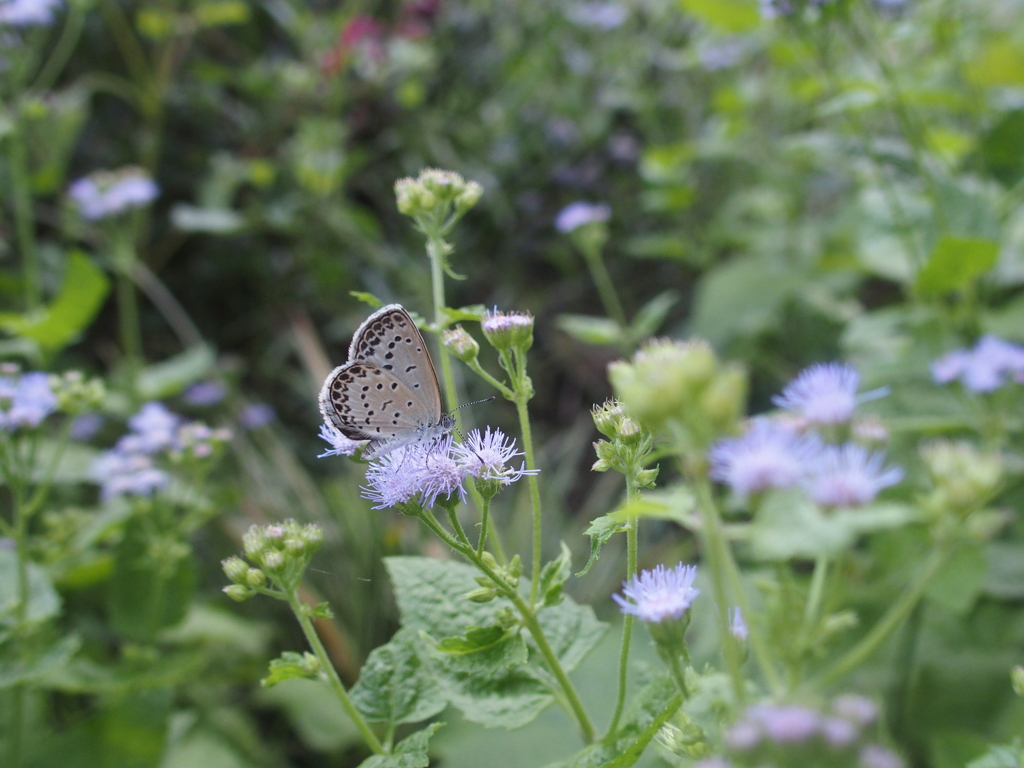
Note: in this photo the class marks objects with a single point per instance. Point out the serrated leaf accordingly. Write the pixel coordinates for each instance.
(572, 631)
(292, 665)
(171, 376)
(590, 330)
(553, 577)
(394, 686)
(81, 295)
(475, 640)
(649, 710)
(676, 503)
(410, 752)
(600, 531)
(954, 264)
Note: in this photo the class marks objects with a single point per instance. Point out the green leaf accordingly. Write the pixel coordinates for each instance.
(153, 582)
(172, 376)
(590, 330)
(476, 639)
(411, 752)
(600, 531)
(572, 631)
(81, 295)
(652, 314)
(43, 601)
(39, 662)
(394, 685)
(961, 580)
(649, 710)
(955, 263)
(1002, 149)
(292, 665)
(553, 576)
(1001, 756)
(203, 745)
(1000, 62)
(223, 13)
(1005, 577)
(367, 298)
(725, 15)
(471, 313)
(876, 517)
(789, 525)
(212, 221)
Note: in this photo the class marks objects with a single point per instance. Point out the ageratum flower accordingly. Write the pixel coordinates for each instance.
(205, 393)
(28, 13)
(127, 474)
(825, 393)
(988, 366)
(781, 724)
(256, 415)
(508, 330)
(105, 193)
(737, 626)
(768, 455)
(849, 476)
(578, 214)
(340, 445)
(657, 595)
(26, 400)
(876, 756)
(485, 455)
(152, 430)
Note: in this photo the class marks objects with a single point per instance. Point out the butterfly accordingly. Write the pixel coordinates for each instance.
(387, 392)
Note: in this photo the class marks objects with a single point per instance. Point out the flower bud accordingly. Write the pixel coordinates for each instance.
(314, 537)
(234, 568)
(482, 595)
(964, 476)
(446, 186)
(508, 330)
(255, 578)
(725, 399)
(629, 431)
(237, 592)
(253, 541)
(469, 197)
(607, 416)
(645, 478)
(273, 560)
(407, 196)
(461, 344)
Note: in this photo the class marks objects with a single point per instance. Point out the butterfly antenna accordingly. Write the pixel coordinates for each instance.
(466, 405)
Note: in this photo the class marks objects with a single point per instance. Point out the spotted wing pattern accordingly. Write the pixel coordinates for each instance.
(387, 392)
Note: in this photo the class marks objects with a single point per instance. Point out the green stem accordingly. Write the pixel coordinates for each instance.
(605, 286)
(627, 625)
(897, 612)
(485, 511)
(63, 49)
(127, 306)
(531, 463)
(679, 676)
(23, 215)
(813, 605)
(332, 675)
(436, 248)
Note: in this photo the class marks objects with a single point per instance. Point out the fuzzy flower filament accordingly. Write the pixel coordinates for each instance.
(849, 476)
(825, 393)
(768, 455)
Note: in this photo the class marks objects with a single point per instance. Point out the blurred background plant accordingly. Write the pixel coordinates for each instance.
(191, 189)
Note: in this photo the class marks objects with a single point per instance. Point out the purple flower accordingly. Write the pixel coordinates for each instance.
(989, 365)
(131, 474)
(496, 322)
(824, 393)
(484, 456)
(838, 732)
(392, 479)
(602, 15)
(768, 455)
(31, 400)
(743, 735)
(153, 429)
(737, 626)
(578, 214)
(85, 426)
(198, 440)
(849, 476)
(340, 445)
(105, 193)
(28, 13)
(256, 415)
(659, 594)
(205, 393)
(876, 756)
(785, 724)
(857, 709)
(440, 474)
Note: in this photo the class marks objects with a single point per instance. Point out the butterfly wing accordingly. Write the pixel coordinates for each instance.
(388, 391)
(390, 340)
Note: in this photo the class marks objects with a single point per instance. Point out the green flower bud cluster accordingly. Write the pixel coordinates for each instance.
(75, 393)
(489, 589)
(281, 553)
(964, 478)
(681, 388)
(508, 331)
(627, 447)
(686, 738)
(436, 194)
(458, 341)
